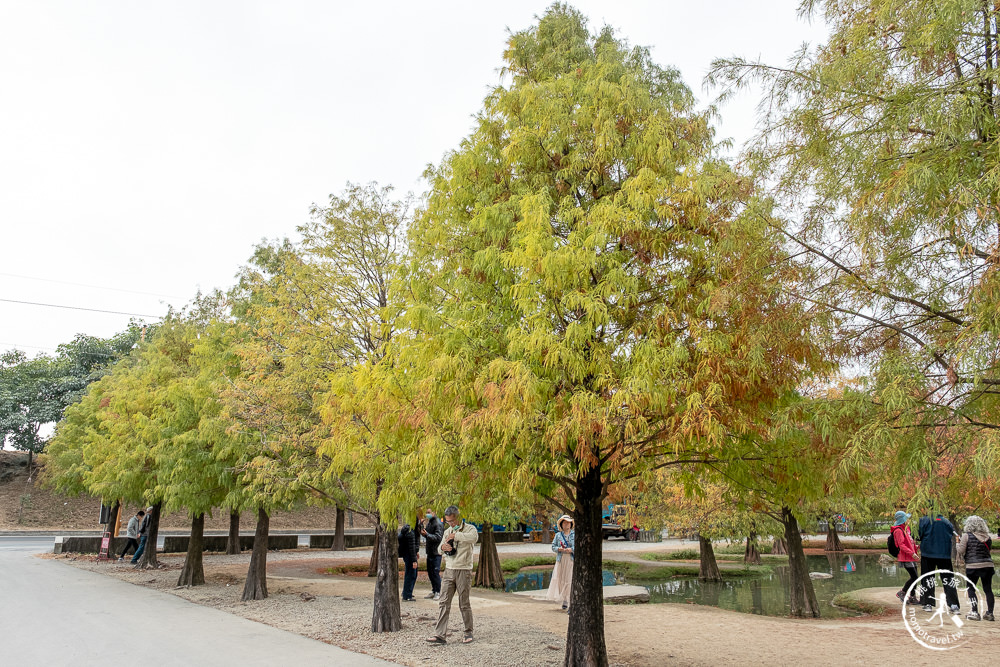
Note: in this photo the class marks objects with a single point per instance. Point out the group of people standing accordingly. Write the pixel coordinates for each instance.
(456, 542)
(408, 540)
(937, 537)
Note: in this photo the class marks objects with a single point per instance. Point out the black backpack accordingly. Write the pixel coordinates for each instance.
(891, 545)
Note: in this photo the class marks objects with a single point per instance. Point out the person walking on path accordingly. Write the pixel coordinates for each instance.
(937, 536)
(410, 553)
(433, 531)
(131, 534)
(974, 548)
(562, 574)
(907, 553)
(143, 534)
(456, 545)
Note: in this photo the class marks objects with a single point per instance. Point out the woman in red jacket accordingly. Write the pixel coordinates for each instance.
(907, 553)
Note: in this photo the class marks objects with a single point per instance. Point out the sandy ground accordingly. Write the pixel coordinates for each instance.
(511, 630)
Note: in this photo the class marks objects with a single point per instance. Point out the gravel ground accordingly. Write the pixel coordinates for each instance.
(511, 630)
(340, 612)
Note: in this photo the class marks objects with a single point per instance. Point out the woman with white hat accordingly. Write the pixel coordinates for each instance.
(562, 573)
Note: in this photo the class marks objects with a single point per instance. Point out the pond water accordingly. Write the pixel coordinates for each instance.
(536, 580)
(766, 595)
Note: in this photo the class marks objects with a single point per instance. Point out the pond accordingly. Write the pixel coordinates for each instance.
(536, 580)
(766, 595)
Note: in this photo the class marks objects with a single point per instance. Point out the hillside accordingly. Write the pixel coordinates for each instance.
(26, 505)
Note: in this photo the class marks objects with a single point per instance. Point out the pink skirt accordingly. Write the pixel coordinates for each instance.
(562, 581)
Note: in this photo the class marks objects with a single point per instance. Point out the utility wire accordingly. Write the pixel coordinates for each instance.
(66, 282)
(34, 347)
(92, 310)
(14, 346)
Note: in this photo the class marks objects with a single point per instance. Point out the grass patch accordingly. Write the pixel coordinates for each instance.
(850, 601)
(346, 569)
(683, 554)
(512, 565)
(642, 572)
(739, 549)
(870, 545)
(774, 560)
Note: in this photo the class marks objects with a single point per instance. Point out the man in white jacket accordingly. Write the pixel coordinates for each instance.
(456, 545)
(132, 534)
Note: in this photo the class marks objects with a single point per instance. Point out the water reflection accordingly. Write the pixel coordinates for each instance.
(765, 595)
(536, 580)
(768, 594)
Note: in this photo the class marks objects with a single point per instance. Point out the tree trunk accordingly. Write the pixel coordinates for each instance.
(339, 540)
(31, 456)
(546, 532)
(233, 541)
(256, 585)
(385, 612)
(708, 568)
(802, 595)
(489, 574)
(780, 547)
(193, 572)
(152, 534)
(585, 644)
(373, 563)
(751, 556)
(113, 518)
(832, 538)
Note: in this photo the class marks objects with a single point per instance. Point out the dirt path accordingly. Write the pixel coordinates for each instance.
(511, 630)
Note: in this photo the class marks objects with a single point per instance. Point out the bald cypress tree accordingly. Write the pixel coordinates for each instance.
(595, 294)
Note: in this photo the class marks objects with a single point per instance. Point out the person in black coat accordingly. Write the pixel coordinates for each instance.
(433, 530)
(410, 553)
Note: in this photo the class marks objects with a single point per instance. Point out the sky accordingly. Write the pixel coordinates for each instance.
(145, 148)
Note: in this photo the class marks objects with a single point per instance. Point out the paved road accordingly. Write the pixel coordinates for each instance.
(64, 615)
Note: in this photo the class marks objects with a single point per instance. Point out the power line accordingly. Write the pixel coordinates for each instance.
(92, 310)
(55, 349)
(67, 282)
(34, 347)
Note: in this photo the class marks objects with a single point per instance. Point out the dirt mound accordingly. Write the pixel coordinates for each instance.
(26, 505)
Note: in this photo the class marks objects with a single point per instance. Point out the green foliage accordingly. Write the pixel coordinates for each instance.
(517, 564)
(680, 554)
(881, 148)
(591, 286)
(151, 430)
(35, 392)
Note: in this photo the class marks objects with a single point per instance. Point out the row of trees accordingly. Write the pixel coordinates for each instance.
(590, 301)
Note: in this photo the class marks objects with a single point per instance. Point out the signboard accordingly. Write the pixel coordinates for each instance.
(105, 546)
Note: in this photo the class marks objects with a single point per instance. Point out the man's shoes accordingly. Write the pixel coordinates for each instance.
(954, 609)
(409, 599)
(928, 607)
(121, 560)
(437, 596)
(973, 616)
(988, 616)
(467, 639)
(901, 595)
(436, 640)
(431, 595)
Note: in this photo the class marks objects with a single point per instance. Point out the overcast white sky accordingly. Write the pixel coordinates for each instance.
(146, 147)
